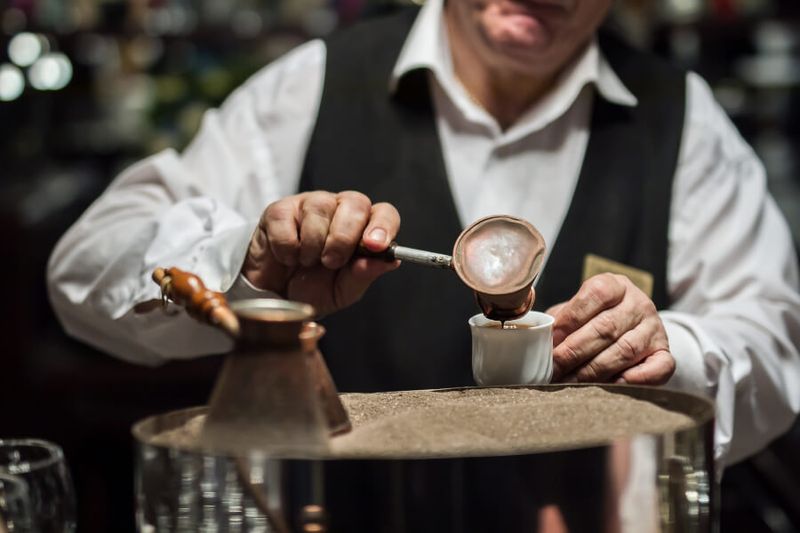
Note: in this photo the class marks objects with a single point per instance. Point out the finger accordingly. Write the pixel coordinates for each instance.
(554, 310)
(317, 210)
(653, 370)
(384, 223)
(625, 352)
(349, 221)
(354, 280)
(595, 295)
(279, 223)
(601, 332)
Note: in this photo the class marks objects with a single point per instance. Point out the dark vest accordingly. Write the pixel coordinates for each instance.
(410, 329)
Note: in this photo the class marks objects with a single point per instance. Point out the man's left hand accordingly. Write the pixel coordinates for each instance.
(610, 331)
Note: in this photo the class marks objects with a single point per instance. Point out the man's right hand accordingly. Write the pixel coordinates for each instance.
(304, 244)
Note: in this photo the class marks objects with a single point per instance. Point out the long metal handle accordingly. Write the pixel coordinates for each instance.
(421, 257)
(410, 255)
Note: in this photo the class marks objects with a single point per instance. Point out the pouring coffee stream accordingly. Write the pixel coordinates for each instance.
(498, 257)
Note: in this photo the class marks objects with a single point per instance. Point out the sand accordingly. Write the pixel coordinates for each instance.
(478, 422)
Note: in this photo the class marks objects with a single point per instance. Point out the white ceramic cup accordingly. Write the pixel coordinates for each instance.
(520, 356)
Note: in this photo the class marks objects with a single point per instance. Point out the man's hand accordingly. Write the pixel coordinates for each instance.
(610, 331)
(303, 247)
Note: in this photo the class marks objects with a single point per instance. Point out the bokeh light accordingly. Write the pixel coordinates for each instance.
(51, 72)
(12, 82)
(25, 48)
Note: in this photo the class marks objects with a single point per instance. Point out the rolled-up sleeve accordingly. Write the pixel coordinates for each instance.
(734, 322)
(195, 211)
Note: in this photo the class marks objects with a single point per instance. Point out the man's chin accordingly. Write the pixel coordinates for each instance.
(509, 49)
(524, 60)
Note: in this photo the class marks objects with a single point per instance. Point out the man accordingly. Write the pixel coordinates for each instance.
(471, 108)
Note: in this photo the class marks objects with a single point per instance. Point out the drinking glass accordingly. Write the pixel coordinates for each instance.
(41, 465)
(15, 505)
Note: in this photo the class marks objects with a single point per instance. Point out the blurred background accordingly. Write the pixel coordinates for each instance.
(89, 86)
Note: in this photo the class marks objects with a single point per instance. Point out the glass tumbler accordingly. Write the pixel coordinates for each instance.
(40, 464)
(16, 515)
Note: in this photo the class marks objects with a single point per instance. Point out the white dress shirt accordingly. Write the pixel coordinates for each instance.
(734, 327)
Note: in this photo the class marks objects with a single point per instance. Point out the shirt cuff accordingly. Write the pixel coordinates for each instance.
(690, 373)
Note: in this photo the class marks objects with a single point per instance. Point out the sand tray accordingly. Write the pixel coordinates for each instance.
(480, 422)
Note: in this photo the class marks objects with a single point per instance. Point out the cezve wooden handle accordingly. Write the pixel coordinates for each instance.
(187, 290)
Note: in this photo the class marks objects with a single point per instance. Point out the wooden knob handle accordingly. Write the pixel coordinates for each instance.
(188, 290)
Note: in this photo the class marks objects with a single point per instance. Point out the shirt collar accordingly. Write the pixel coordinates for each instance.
(427, 47)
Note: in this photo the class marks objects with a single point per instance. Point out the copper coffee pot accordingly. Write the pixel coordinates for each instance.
(274, 393)
(498, 257)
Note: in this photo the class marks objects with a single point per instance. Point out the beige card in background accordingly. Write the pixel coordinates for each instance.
(594, 264)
